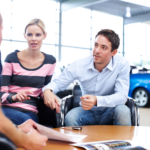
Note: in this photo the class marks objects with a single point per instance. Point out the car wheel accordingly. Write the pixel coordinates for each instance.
(142, 97)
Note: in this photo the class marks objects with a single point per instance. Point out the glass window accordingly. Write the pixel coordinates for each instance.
(134, 59)
(79, 27)
(76, 25)
(17, 13)
(119, 53)
(5, 49)
(146, 61)
(18, 46)
(69, 55)
(23, 12)
(137, 45)
(106, 21)
(137, 37)
(50, 49)
(6, 8)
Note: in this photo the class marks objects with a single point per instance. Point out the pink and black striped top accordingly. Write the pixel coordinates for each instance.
(16, 78)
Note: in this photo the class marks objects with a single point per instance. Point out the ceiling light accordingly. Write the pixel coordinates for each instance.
(128, 14)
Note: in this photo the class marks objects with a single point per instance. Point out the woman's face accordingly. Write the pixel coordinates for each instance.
(34, 36)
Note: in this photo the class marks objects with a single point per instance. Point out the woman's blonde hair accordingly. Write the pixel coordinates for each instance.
(37, 22)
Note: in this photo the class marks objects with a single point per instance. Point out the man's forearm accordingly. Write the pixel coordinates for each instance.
(111, 100)
(8, 128)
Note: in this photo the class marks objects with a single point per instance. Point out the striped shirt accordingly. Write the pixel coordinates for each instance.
(17, 78)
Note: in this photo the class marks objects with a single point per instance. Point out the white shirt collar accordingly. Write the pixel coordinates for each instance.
(109, 66)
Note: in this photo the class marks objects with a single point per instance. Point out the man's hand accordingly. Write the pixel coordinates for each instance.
(88, 101)
(26, 126)
(35, 141)
(50, 100)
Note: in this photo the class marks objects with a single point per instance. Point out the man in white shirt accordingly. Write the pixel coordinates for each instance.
(104, 81)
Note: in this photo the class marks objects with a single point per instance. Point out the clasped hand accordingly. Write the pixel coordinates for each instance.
(88, 101)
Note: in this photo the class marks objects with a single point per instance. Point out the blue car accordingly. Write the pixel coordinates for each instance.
(140, 85)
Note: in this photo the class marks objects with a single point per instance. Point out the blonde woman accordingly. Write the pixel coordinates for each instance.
(24, 74)
(31, 141)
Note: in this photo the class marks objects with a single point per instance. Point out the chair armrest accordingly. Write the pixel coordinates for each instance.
(135, 116)
(66, 106)
(58, 120)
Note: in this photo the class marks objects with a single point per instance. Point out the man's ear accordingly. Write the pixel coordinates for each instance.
(114, 52)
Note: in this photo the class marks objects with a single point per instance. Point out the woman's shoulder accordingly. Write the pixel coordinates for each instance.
(12, 57)
(49, 59)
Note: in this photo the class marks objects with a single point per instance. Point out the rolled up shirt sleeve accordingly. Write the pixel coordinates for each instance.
(52, 86)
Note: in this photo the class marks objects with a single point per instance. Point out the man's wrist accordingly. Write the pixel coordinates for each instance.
(49, 90)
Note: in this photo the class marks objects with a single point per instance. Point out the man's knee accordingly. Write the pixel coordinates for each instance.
(122, 115)
(68, 119)
(71, 118)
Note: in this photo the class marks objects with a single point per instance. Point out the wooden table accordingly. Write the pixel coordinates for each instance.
(140, 135)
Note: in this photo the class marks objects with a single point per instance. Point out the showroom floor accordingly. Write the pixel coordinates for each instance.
(144, 116)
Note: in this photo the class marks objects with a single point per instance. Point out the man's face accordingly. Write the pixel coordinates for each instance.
(102, 50)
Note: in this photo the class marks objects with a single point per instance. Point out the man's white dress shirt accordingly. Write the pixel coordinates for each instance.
(110, 86)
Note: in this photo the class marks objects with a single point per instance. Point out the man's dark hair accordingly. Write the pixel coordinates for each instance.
(111, 36)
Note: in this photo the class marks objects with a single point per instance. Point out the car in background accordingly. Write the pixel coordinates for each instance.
(140, 85)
